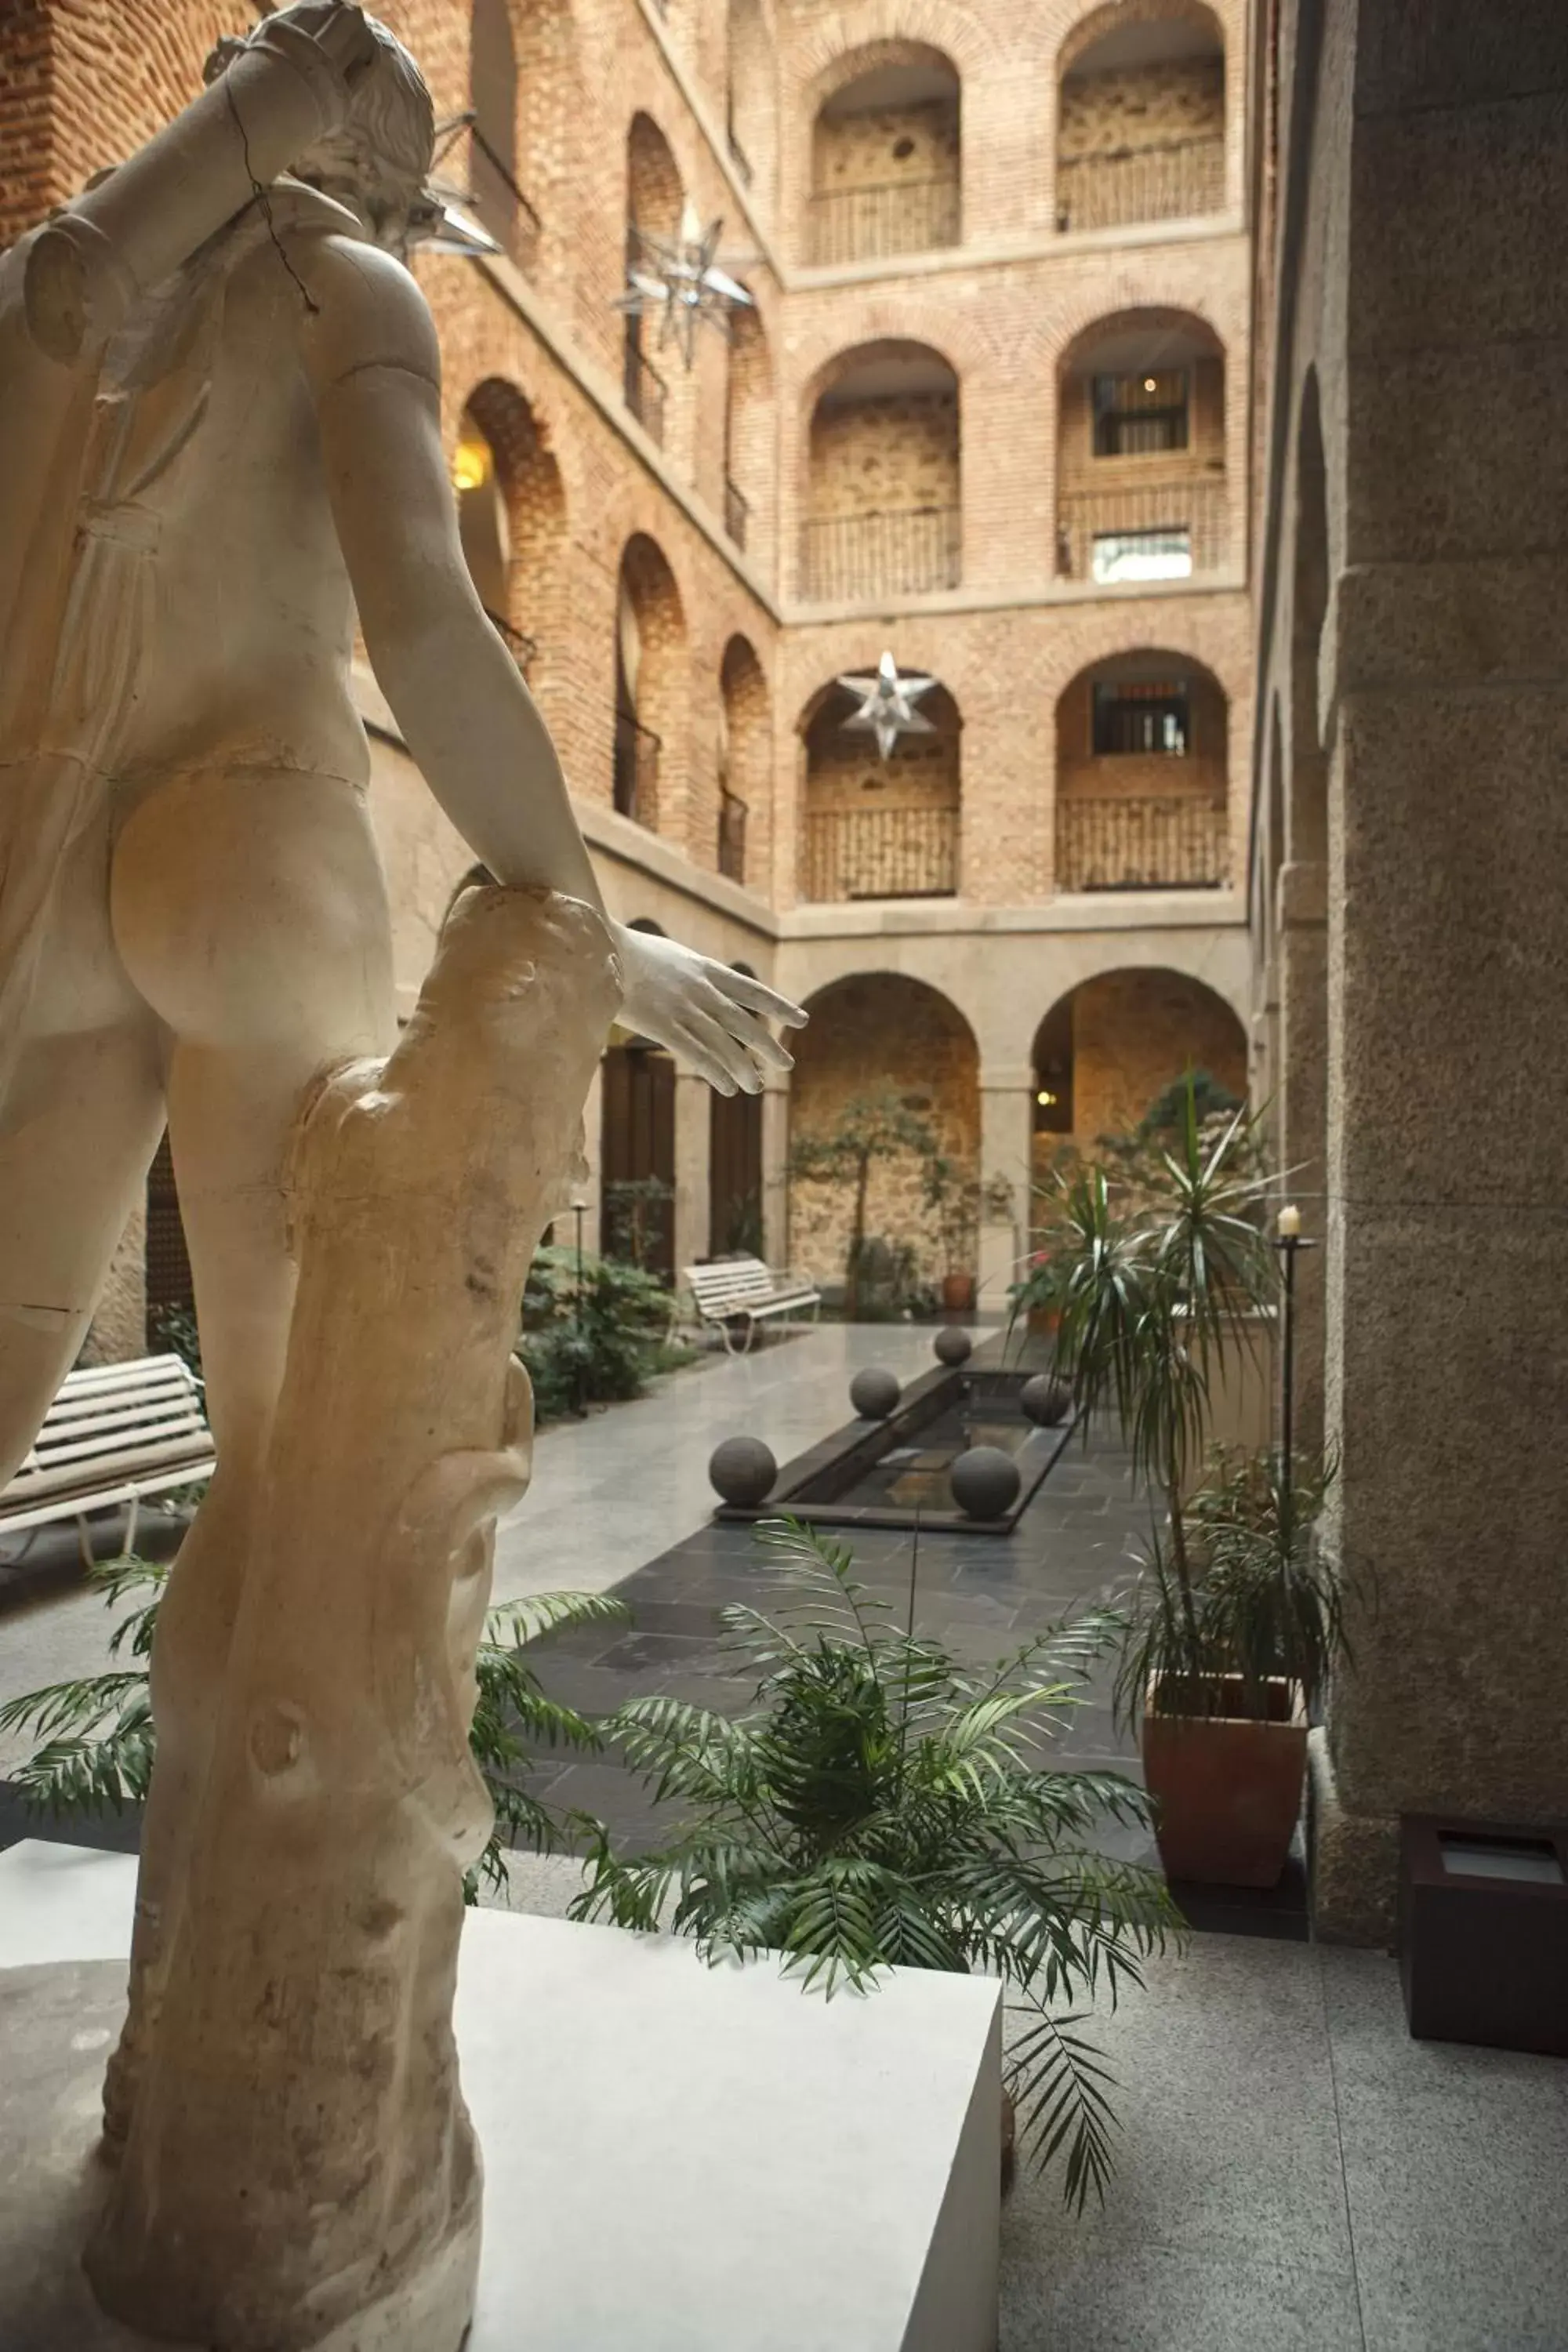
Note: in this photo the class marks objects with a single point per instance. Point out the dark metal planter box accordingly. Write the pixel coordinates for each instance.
(1483, 1932)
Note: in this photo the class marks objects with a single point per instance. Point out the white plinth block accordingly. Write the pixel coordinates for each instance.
(676, 2159)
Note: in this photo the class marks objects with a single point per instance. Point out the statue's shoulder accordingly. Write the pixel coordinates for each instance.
(363, 307)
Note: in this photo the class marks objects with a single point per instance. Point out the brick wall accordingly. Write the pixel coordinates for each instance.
(882, 146)
(882, 454)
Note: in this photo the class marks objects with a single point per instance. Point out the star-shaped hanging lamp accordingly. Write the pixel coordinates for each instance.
(675, 280)
(887, 704)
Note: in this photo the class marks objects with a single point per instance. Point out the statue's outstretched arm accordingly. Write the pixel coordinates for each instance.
(370, 349)
(286, 89)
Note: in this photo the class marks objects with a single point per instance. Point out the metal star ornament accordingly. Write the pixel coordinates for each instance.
(887, 704)
(674, 279)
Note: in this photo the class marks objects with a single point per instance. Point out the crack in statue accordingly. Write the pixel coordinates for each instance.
(220, 431)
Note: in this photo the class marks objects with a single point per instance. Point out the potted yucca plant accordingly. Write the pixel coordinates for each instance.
(1161, 1282)
(97, 1740)
(879, 1804)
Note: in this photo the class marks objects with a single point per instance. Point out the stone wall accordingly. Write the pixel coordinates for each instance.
(874, 1035)
(881, 146)
(882, 455)
(1132, 1033)
(1143, 106)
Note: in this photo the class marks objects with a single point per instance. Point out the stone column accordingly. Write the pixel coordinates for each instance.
(1006, 1144)
(776, 1178)
(1447, 1264)
(1301, 1116)
(693, 1137)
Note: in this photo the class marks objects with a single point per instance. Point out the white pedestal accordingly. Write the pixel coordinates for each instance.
(676, 2159)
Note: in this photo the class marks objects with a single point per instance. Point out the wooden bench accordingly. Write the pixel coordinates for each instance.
(115, 1434)
(737, 1293)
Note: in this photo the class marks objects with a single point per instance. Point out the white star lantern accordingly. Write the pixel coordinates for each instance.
(674, 280)
(887, 704)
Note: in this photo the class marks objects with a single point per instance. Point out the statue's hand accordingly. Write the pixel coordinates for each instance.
(713, 1017)
(340, 32)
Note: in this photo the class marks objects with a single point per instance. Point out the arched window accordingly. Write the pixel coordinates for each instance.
(885, 172)
(1141, 478)
(493, 167)
(883, 477)
(1141, 127)
(654, 205)
(1141, 798)
(650, 681)
(879, 828)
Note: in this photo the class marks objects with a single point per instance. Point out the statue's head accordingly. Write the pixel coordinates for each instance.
(379, 158)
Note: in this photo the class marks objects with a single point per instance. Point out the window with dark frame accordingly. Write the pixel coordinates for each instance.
(1132, 717)
(1138, 416)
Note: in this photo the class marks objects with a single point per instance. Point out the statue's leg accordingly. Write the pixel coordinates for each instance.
(251, 914)
(80, 1121)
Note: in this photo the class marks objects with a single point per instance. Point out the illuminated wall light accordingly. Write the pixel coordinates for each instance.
(1047, 1100)
(470, 465)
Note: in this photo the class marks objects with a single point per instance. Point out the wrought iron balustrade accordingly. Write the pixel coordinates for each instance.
(644, 387)
(890, 551)
(1168, 529)
(1174, 841)
(635, 769)
(732, 835)
(880, 853)
(884, 217)
(501, 207)
(1174, 181)
(737, 513)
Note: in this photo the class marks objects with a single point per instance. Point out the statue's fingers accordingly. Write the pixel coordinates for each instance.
(756, 998)
(749, 1031)
(705, 1059)
(719, 1052)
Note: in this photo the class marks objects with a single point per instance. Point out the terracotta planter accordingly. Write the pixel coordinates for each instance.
(1228, 1787)
(1044, 1322)
(958, 1293)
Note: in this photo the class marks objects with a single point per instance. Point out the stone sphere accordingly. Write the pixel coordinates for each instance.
(874, 1392)
(953, 1346)
(985, 1482)
(1045, 1400)
(743, 1471)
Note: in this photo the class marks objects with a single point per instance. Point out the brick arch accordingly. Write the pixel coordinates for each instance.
(534, 501)
(852, 64)
(1103, 17)
(1076, 335)
(652, 667)
(906, 26)
(745, 763)
(655, 189)
(1123, 1032)
(874, 827)
(902, 324)
(1148, 806)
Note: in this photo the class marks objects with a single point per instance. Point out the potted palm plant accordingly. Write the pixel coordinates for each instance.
(1160, 1281)
(879, 1804)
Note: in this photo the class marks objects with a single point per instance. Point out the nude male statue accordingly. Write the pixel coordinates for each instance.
(264, 452)
(220, 433)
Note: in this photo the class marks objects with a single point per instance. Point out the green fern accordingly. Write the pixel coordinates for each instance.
(96, 1738)
(881, 1804)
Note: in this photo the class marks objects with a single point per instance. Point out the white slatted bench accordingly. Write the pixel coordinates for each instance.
(114, 1433)
(737, 1293)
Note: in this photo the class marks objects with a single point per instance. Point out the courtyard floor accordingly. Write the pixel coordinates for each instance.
(1294, 2170)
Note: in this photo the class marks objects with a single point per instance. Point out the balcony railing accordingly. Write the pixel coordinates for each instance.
(501, 205)
(1171, 181)
(863, 224)
(1145, 531)
(635, 769)
(1178, 841)
(891, 550)
(731, 836)
(644, 386)
(880, 853)
(520, 646)
(737, 513)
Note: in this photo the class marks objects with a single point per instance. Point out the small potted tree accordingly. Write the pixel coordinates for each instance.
(865, 1129)
(880, 1804)
(1158, 1284)
(955, 1198)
